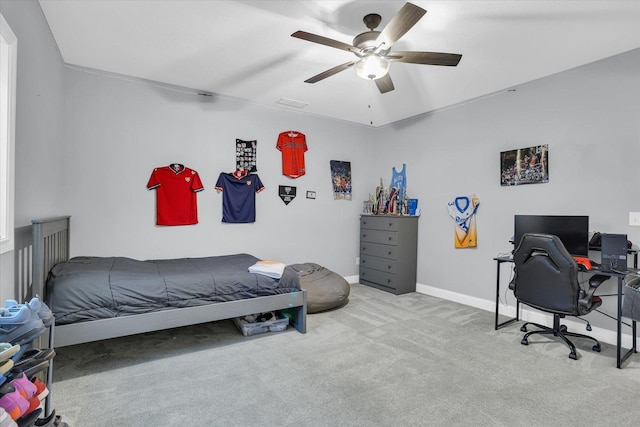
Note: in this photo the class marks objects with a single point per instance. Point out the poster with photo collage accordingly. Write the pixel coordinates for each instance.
(246, 155)
(341, 179)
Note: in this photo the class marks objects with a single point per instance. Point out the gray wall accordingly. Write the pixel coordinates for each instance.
(117, 130)
(92, 160)
(589, 116)
(39, 161)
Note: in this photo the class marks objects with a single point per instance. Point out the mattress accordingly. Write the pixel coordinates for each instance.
(90, 288)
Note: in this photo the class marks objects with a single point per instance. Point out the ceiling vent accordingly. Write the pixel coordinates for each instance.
(291, 103)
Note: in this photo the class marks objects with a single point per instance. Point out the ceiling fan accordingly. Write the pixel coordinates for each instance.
(373, 48)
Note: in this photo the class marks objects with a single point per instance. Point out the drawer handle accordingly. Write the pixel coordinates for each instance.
(390, 224)
(388, 280)
(390, 238)
(388, 267)
(364, 235)
(389, 253)
(363, 261)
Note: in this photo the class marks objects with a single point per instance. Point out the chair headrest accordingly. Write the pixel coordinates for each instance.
(548, 245)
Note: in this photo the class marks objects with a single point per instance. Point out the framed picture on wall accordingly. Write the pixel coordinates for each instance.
(341, 178)
(524, 166)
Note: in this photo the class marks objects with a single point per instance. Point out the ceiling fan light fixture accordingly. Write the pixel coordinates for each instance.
(372, 67)
(373, 48)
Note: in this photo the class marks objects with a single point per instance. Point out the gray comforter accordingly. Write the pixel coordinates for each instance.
(89, 288)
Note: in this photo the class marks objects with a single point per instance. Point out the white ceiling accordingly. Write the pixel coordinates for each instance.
(243, 49)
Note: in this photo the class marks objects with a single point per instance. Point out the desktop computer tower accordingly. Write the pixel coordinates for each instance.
(614, 252)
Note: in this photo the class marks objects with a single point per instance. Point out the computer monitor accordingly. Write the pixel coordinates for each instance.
(573, 231)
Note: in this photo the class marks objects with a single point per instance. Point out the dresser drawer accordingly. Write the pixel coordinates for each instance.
(379, 223)
(376, 249)
(379, 236)
(387, 280)
(380, 264)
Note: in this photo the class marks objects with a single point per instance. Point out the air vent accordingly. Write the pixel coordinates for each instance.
(292, 103)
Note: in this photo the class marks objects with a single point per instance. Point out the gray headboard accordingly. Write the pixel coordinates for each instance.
(38, 248)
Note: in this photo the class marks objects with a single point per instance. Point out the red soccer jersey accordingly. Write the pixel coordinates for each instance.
(176, 187)
(292, 144)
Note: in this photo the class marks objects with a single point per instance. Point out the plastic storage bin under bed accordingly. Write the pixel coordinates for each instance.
(249, 329)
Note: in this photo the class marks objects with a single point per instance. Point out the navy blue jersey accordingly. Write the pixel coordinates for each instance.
(239, 196)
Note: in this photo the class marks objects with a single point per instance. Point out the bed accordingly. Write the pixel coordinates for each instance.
(44, 246)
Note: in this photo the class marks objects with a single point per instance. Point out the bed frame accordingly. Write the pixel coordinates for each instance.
(46, 242)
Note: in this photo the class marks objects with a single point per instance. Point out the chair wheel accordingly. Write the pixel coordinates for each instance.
(596, 348)
(524, 341)
(563, 328)
(573, 356)
(523, 328)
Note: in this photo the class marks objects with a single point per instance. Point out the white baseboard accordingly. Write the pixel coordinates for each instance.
(529, 315)
(352, 279)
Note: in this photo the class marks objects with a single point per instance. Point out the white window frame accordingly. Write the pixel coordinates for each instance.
(8, 69)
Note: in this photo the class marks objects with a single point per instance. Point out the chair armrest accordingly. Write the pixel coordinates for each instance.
(586, 297)
(597, 280)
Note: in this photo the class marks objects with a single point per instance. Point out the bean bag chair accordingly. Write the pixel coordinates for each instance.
(325, 289)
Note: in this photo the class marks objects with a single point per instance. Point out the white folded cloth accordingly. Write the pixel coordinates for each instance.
(272, 269)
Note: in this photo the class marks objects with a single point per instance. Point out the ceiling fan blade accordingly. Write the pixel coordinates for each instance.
(400, 24)
(330, 72)
(385, 84)
(324, 40)
(427, 58)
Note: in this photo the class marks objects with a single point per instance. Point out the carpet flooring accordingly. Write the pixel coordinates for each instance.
(381, 360)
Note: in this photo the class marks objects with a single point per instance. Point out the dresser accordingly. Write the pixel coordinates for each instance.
(388, 252)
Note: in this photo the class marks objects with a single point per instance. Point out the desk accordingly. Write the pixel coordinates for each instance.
(620, 358)
(499, 262)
